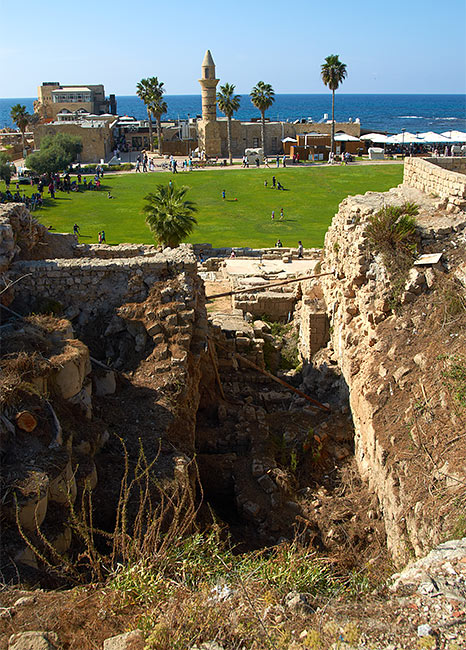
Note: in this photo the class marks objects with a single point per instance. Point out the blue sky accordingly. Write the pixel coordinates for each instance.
(409, 46)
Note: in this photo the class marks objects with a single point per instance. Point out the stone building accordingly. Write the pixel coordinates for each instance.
(53, 98)
(96, 135)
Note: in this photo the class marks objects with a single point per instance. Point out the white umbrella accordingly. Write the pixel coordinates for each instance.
(375, 137)
(405, 138)
(430, 137)
(289, 140)
(455, 136)
(344, 137)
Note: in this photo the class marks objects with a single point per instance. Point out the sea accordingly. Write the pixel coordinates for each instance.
(388, 113)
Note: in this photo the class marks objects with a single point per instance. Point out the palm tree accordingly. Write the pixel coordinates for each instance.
(20, 117)
(169, 215)
(151, 91)
(333, 72)
(262, 96)
(159, 107)
(228, 103)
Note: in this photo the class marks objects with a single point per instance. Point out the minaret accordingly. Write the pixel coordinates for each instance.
(209, 85)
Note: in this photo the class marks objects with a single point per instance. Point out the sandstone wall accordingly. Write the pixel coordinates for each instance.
(439, 177)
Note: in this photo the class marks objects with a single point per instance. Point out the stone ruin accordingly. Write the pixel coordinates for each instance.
(151, 347)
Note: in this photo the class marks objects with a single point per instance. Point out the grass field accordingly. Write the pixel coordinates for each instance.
(311, 199)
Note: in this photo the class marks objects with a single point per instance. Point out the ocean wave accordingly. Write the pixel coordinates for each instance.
(411, 117)
(447, 118)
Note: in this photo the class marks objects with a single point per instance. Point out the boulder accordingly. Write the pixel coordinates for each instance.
(128, 641)
(34, 641)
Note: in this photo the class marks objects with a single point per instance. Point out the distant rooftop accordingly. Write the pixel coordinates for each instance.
(71, 89)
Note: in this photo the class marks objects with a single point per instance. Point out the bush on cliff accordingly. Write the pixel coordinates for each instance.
(392, 233)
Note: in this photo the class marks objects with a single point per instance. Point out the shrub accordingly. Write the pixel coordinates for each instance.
(391, 232)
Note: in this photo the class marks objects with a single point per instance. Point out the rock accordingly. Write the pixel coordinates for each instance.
(251, 509)
(267, 484)
(104, 384)
(415, 282)
(298, 603)
(401, 372)
(424, 630)
(115, 326)
(127, 641)
(83, 400)
(259, 327)
(24, 600)
(68, 380)
(34, 641)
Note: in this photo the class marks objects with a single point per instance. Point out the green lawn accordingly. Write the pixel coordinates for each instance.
(311, 199)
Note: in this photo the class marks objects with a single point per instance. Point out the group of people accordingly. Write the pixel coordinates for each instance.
(279, 244)
(282, 214)
(142, 162)
(275, 184)
(100, 236)
(32, 202)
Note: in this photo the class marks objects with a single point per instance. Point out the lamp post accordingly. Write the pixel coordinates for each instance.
(403, 142)
(187, 146)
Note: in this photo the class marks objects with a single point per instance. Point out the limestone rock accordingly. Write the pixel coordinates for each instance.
(298, 603)
(34, 641)
(127, 641)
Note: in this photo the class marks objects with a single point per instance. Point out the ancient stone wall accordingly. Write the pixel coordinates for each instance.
(376, 366)
(439, 177)
(99, 283)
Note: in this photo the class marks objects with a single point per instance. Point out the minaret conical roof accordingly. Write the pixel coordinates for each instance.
(208, 60)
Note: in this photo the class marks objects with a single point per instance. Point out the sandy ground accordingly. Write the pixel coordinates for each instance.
(241, 266)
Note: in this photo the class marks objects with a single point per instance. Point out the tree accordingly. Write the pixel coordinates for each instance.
(151, 92)
(169, 215)
(20, 117)
(262, 96)
(5, 169)
(56, 154)
(228, 103)
(333, 73)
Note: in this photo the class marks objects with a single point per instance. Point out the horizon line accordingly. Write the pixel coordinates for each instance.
(287, 93)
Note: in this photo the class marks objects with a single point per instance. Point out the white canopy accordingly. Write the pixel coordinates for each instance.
(344, 137)
(405, 138)
(433, 138)
(375, 137)
(289, 140)
(455, 136)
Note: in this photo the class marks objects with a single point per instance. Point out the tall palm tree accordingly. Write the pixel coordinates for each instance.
(151, 91)
(159, 107)
(20, 117)
(228, 103)
(169, 215)
(333, 73)
(262, 96)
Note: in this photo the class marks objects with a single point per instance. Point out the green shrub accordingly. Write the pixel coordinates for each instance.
(392, 230)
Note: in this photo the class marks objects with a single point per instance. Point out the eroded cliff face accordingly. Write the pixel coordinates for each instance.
(396, 362)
